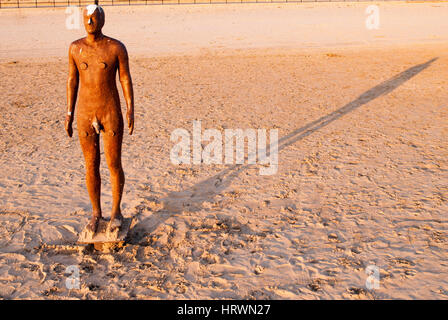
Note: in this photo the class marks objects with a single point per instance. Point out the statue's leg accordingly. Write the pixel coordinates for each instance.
(91, 148)
(112, 139)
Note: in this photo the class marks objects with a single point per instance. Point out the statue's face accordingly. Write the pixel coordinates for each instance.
(93, 18)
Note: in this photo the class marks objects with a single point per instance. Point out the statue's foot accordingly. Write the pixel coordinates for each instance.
(115, 222)
(93, 224)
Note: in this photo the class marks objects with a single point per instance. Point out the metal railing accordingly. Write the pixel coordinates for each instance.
(66, 3)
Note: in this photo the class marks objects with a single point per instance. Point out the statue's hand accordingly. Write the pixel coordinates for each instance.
(130, 118)
(68, 125)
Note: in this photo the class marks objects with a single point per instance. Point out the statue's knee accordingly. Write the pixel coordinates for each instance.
(115, 167)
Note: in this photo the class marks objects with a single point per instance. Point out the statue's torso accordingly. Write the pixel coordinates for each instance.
(97, 66)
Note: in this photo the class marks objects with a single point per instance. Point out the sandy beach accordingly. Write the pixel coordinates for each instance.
(362, 179)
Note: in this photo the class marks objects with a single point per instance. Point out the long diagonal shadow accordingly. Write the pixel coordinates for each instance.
(376, 92)
(191, 198)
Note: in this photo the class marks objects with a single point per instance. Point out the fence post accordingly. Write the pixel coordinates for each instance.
(18, 6)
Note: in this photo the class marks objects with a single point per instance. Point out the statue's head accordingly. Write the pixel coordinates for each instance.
(93, 18)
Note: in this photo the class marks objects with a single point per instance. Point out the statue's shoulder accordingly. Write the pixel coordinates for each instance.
(77, 44)
(116, 44)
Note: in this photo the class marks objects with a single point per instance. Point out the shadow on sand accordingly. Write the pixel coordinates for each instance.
(191, 199)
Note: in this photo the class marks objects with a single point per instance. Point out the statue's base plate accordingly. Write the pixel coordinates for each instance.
(103, 239)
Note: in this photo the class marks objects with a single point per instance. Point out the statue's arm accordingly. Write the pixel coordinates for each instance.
(72, 91)
(126, 84)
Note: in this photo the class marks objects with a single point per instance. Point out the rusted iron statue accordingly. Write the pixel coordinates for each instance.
(93, 64)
